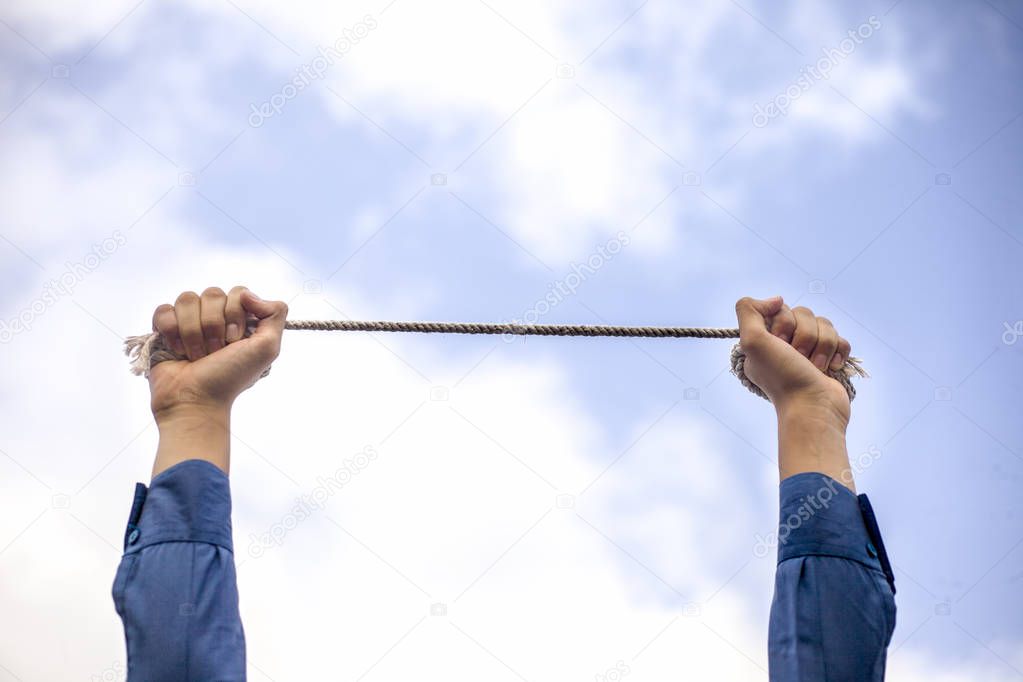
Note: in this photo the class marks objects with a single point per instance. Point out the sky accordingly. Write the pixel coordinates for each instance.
(508, 509)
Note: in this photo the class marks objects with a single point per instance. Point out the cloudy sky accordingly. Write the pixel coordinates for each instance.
(547, 509)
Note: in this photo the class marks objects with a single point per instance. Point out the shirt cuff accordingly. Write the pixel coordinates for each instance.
(820, 516)
(189, 502)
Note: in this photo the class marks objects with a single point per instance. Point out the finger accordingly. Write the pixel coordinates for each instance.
(804, 338)
(841, 355)
(211, 310)
(827, 344)
(234, 315)
(187, 310)
(783, 324)
(166, 324)
(271, 316)
(752, 315)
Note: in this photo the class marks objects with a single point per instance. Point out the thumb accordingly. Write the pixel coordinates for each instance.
(271, 315)
(752, 314)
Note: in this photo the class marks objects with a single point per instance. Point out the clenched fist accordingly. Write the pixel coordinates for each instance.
(788, 353)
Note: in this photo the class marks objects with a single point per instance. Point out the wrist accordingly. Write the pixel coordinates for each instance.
(193, 432)
(813, 410)
(189, 414)
(811, 438)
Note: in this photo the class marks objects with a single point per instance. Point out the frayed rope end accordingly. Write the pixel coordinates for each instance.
(148, 350)
(138, 349)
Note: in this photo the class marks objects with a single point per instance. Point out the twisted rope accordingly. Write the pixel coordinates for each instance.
(512, 329)
(147, 350)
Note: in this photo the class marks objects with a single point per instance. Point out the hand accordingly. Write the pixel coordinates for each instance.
(221, 364)
(191, 399)
(788, 352)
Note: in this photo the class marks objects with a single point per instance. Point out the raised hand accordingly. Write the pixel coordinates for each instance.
(788, 352)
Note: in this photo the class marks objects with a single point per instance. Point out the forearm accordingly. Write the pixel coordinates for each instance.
(194, 432)
(811, 438)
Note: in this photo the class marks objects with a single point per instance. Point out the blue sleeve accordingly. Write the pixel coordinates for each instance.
(175, 589)
(833, 611)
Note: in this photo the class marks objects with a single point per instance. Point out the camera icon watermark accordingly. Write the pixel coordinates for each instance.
(60, 501)
(187, 179)
(691, 393)
(943, 608)
(438, 609)
(1012, 332)
(312, 286)
(564, 501)
(565, 71)
(615, 674)
(60, 71)
(943, 179)
(691, 179)
(943, 393)
(692, 610)
(439, 394)
(439, 179)
(817, 286)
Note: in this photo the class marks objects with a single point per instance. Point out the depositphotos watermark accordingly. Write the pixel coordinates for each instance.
(567, 286)
(314, 70)
(74, 273)
(812, 504)
(311, 502)
(811, 74)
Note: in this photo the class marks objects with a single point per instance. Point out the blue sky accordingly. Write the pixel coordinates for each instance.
(460, 159)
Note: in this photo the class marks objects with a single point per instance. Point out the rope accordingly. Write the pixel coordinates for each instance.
(512, 329)
(147, 350)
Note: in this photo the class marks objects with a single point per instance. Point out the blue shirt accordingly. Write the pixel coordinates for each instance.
(833, 611)
(176, 590)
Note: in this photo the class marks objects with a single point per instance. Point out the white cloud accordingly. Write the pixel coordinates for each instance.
(565, 171)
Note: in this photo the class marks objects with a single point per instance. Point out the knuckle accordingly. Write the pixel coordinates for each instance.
(825, 321)
(213, 292)
(786, 322)
(186, 297)
(162, 312)
(802, 310)
(803, 340)
(164, 323)
(743, 302)
(237, 289)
